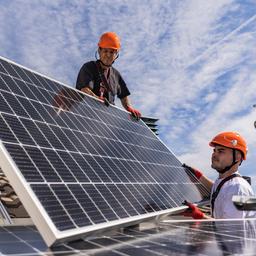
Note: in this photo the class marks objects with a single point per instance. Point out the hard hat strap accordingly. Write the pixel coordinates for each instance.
(227, 168)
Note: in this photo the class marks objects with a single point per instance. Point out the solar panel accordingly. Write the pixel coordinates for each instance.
(79, 166)
(230, 237)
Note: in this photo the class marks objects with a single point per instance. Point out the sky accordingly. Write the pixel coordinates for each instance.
(190, 63)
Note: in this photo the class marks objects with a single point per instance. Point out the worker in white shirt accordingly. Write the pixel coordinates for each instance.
(229, 151)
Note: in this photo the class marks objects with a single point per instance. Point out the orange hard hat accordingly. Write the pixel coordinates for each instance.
(109, 40)
(230, 140)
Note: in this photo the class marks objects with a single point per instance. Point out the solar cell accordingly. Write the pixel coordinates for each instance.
(231, 237)
(58, 143)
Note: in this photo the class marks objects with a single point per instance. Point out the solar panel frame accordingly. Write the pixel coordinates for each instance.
(49, 129)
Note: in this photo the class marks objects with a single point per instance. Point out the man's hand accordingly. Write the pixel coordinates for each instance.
(105, 100)
(88, 91)
(196, 172)
(136, 113)
(193, 211)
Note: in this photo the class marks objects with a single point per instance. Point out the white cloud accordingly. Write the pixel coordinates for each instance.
(190, 63)
(210, 97)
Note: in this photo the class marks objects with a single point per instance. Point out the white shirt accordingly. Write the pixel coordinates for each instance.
(223, 206)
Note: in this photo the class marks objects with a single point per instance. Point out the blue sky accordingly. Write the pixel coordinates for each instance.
(190, 63)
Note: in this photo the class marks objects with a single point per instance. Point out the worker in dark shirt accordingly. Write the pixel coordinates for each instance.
(99, 79)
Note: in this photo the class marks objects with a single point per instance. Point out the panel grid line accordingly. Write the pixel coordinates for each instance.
(70, 147)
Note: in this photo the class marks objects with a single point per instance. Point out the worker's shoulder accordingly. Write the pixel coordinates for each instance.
(236, 181)
(115, 71)
(90, 65)
(238, 184)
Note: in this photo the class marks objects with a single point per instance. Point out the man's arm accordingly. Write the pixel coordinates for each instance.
(87, 90)
(125, 102)
(206, 182)
(127, 105)
(200, 176)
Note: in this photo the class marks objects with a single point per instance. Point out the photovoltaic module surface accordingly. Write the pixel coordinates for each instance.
(78, 165)
(230, 237)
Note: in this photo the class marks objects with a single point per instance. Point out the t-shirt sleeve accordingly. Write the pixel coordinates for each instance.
(124, 91)
(84, 78)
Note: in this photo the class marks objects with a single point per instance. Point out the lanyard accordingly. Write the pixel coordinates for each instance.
(216, 192)
(103, 79)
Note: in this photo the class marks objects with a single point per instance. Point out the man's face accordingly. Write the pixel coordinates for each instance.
(221, 157)
(107, 55)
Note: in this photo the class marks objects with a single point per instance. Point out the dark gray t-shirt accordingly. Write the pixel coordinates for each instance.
(88, 76)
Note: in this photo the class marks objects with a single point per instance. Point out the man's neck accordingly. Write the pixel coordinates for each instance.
(103, 66)
(228, 173)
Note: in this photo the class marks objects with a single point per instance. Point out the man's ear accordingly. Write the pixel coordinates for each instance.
(239, 156)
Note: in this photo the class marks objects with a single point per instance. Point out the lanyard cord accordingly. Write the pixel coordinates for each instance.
(216, 192)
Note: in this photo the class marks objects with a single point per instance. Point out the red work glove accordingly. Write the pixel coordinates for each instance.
(196, 172)
(136, 113)
(193, 211)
